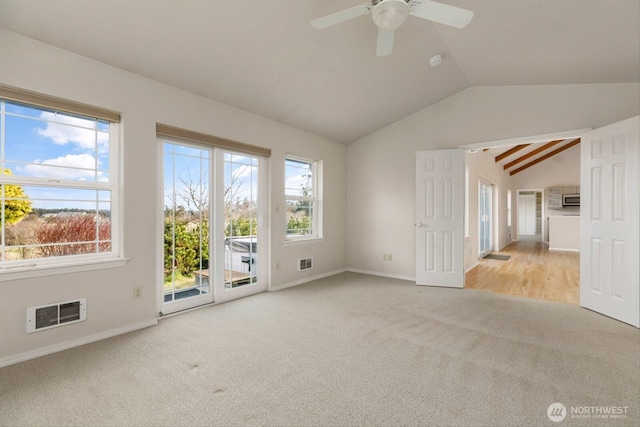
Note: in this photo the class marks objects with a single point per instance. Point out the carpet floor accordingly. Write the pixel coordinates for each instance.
(349, 350)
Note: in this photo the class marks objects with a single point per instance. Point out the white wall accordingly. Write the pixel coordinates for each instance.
(380, 186)
(35, 66)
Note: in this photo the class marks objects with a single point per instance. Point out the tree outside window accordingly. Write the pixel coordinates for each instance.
(301, 196)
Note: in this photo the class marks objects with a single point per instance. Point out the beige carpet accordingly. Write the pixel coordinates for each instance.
(347, 350)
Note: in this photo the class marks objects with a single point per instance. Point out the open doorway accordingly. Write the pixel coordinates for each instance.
(606, 221)
(530, 223)
(521, 263)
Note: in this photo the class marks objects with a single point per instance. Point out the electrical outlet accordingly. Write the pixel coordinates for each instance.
(387, 257)
(137, 292)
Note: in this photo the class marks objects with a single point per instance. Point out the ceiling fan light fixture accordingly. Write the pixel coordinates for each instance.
(390, 14)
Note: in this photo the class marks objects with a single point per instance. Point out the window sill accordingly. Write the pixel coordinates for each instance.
(303, 241)
(31, 271)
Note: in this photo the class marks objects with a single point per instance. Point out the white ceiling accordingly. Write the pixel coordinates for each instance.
(264, 57)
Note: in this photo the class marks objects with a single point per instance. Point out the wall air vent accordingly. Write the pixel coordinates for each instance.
(54, 315)
(305, 264)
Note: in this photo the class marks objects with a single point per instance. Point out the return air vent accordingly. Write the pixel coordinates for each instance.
(305, 264)
(54, 315)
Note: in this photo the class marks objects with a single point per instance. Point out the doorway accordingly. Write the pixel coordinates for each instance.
(485, 218)
(530, 208)
(212, 203)
(609, 223)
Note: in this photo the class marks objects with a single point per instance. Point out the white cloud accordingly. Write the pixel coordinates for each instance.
(78, 167)
(296, 182)
(62, 129)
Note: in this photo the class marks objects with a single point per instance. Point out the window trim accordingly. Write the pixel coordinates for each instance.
(316, 178)
(39, 100)
(68, 264)
(509, 207)
(180, 134)
(28, 271)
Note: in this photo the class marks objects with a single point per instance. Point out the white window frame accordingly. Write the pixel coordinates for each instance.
(39, 267)
(509, 204)
(315, 199)
(466, 201)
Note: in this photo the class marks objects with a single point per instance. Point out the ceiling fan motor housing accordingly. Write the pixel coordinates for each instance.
(390, 14)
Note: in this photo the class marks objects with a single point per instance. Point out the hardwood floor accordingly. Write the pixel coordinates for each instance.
(532, 271)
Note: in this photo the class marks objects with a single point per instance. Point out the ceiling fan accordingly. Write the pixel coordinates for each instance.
(388, 15)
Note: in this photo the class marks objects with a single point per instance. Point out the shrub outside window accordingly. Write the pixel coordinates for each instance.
(58, 192)
(302, 198)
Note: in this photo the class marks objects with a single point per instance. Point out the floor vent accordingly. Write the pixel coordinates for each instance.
(54, 315)
(305, 264)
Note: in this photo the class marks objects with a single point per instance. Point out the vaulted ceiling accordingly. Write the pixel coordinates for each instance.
(520, 157)
(264, 57)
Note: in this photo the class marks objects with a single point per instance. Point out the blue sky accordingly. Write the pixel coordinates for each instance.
(57, 146)
(189, 166)
(68, 148)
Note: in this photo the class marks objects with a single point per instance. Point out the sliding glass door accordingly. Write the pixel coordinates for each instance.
(485, 217)
(210, 225)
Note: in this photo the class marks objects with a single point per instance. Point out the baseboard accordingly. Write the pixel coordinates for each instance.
(379, 273)
(306, 280)
(564, 250)
(22, 357)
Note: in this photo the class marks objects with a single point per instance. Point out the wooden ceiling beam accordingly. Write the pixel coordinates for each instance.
(532, 153)
(546, 156)
(510, 152)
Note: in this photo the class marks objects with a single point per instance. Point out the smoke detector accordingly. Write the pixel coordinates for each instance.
(435, 60)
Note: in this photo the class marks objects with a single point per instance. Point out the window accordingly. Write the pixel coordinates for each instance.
(58, 188)
(302, 197)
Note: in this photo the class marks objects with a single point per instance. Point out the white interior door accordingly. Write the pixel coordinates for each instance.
(610, 222)
(439, 218)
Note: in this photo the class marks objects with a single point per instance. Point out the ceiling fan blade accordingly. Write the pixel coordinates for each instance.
(385, 42)
(442, 13)
(343, 15)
